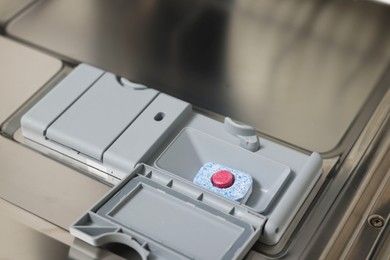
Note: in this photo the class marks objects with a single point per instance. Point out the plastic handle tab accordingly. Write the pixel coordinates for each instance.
(247, 134)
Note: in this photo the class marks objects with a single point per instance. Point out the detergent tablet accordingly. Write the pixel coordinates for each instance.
(228, 182)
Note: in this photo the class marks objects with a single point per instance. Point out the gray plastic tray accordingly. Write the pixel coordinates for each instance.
(157, 220)
(192, 149)
(164, 132)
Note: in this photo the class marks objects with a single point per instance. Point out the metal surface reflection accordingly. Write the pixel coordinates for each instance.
(297, 70)
(28, 179)
(22, 242)
(10, 8)
(307, 72)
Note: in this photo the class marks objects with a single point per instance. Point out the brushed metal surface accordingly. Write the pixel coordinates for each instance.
(18, 241)
(9, 8)
(44, 187)
(299, 71)
(356, 237)
(26, 236)
(28, 179)
(358, 190)
(336, 226)
(22, 72)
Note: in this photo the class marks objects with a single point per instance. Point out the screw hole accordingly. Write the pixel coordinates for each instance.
(376, 221)
(159, 116)
(276, 230)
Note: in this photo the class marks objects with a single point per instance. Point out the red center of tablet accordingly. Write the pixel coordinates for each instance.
(222, 179)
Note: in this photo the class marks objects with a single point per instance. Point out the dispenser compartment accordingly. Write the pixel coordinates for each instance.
(163, 132)
(192, 149)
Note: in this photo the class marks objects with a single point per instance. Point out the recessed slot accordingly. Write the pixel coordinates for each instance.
(159, 116)
(192, 149)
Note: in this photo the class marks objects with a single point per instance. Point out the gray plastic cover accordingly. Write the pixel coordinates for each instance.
(46, 111)
(146, 133)
(99, 116)
(157, 220)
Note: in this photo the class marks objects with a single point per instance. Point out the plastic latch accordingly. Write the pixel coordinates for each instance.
(129, 84)
(247, 134)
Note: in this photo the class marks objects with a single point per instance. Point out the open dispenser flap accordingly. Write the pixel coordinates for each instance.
(160, 222)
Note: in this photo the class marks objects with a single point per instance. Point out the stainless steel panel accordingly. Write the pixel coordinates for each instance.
(28, 179)
(25, 236)
(307, 72)
(9, 8)
(18, 241)
(297, 70)
(22, 72)
(44, 187)
(363, 183)
(338, 224)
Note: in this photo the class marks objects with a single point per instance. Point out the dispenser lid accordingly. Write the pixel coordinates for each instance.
(167, 223)
(94, 120)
